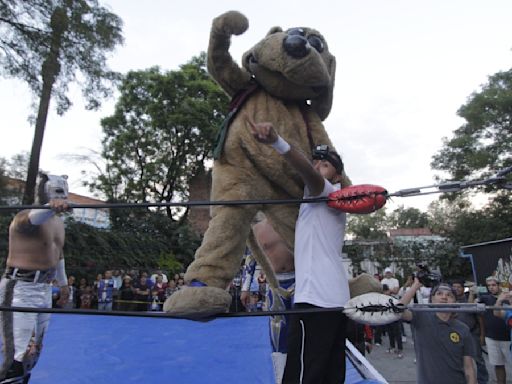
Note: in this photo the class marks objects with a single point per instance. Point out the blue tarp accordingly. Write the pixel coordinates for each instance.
(93, 349)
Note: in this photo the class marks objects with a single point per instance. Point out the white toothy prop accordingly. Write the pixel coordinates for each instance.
(374, 309)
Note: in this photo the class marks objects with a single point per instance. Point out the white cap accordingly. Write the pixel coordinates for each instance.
(388, 270)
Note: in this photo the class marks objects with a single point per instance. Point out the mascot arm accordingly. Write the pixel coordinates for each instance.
(221, 65)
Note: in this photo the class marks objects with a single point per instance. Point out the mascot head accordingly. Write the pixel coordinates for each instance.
(294, 65)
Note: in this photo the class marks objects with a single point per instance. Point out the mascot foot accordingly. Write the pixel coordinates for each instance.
(198, 302)
(364, 283)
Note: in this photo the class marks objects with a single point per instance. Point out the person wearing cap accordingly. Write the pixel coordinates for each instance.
(495, 334)
(390, 281)
(316, 340)
(445, 351)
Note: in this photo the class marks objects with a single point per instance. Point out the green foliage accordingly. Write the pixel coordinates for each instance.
(482, 145)
(5, 220)
(167, 262)
(46, 43)
(15, 168)
(408, 218)
(147, 242)
(479, 148)
(493, 222)
(88, 32)
(160, 134)
(368, 227)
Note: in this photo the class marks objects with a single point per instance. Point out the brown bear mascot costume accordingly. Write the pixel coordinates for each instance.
(287, 79)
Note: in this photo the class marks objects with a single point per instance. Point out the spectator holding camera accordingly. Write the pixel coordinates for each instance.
(444, 348)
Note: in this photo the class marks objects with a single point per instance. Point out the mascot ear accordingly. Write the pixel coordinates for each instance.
(274, 30)
(43, 176)
(322, 104)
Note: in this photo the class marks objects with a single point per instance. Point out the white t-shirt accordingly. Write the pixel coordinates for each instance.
(391, 282)
(320, 277)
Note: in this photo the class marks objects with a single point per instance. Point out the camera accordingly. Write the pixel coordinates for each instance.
(426, 277)
(322, 152)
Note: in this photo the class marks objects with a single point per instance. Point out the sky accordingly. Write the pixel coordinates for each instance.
(404, 67)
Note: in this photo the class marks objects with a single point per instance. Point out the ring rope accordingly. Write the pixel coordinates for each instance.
(190, 203)
(456, 307)
(166, 315)
(454, 186)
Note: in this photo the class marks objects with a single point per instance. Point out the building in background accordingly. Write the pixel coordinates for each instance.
(490, 258)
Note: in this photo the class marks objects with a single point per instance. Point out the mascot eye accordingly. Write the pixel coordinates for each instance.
(251, 59)
(316, 43)
(296, 31)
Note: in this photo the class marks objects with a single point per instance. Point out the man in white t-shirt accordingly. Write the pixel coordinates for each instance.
(316, 340)
(390, 281)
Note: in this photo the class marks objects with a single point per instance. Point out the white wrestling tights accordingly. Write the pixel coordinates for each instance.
(28, 325)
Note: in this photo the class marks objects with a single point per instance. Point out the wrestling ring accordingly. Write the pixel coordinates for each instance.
(86, 346)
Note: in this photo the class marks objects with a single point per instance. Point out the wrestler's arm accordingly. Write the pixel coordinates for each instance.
(408, 296)
(28, 222)
(266, 134)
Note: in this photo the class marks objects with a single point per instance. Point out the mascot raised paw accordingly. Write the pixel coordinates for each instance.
(287, 79)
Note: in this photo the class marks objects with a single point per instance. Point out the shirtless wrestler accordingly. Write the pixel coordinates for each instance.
(281, 260)
(36, 241)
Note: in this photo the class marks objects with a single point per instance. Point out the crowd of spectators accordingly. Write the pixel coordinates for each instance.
(121, 290)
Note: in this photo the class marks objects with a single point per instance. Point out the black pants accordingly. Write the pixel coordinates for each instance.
(316, 348)
(395, 335)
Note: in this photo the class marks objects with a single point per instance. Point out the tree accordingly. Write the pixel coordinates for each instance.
(161, 133)
(15, 168)
(368, 227)
(46, 43)
(479, 148)
(408, 218)
(482, 145)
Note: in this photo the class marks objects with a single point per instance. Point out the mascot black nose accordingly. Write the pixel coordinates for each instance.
(296, 46)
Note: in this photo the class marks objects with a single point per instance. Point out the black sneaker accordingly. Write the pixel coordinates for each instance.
(15, 374)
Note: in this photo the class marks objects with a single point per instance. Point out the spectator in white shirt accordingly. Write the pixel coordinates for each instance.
(390, 281)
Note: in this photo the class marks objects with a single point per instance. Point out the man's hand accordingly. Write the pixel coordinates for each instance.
(244, 298)
(263, 132)
(64, 296)
(59, 205)
(504, 296)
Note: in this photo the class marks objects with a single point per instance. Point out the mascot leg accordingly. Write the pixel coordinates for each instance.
(216, 262)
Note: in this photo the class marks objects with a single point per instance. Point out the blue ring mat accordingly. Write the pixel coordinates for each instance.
(82, 349)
